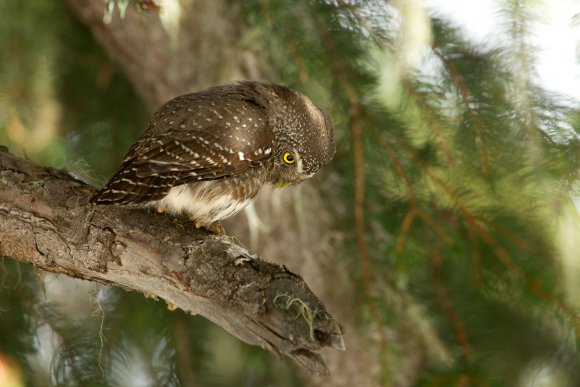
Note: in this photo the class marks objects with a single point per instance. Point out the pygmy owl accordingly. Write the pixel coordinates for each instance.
(207, 154)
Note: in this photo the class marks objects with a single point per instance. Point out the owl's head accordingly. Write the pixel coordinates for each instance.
(305, 139)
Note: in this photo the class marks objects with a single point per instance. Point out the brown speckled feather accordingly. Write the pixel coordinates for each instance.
(199, 138)
(208, 154)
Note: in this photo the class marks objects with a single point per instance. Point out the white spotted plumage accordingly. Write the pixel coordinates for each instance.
(208, 154)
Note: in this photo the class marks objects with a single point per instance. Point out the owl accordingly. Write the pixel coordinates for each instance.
(208, 154)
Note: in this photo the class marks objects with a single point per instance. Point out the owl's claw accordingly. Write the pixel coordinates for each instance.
(215, 227)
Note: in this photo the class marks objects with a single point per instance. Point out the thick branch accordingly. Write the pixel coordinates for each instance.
(45, 220)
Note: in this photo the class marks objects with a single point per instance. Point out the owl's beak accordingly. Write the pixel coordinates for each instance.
(280, 184)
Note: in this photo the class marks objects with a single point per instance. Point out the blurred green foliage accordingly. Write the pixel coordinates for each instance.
(469, 170)
(459, 174)
(62, 100)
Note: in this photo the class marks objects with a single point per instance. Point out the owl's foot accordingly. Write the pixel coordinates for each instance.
(215, 227)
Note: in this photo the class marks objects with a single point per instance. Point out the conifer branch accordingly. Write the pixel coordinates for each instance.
(468, 102)
(356, 129)
(45, 221)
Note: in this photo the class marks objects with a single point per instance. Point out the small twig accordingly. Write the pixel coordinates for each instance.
(448, 307)
(468, 103)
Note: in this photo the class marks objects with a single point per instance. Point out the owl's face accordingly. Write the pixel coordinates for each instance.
(305, 142)
(289, 168)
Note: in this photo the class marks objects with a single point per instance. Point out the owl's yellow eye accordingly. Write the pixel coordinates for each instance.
(288, 158)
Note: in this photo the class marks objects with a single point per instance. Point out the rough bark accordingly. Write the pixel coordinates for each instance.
(45, 220)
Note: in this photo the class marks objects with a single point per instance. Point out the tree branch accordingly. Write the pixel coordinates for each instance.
(45, 220)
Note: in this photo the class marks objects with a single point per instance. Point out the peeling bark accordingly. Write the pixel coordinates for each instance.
(46, 221)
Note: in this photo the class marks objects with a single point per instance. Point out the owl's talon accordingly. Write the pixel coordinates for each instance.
(214, 228)
(160, 210)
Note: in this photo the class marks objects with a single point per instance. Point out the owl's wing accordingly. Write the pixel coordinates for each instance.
(193, 149)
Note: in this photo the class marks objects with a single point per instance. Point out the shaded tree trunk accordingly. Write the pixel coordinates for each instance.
(160, 65)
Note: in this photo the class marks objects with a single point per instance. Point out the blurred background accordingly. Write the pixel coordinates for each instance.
(445, 236)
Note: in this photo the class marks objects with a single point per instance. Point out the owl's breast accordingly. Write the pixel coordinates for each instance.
(212, 200)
